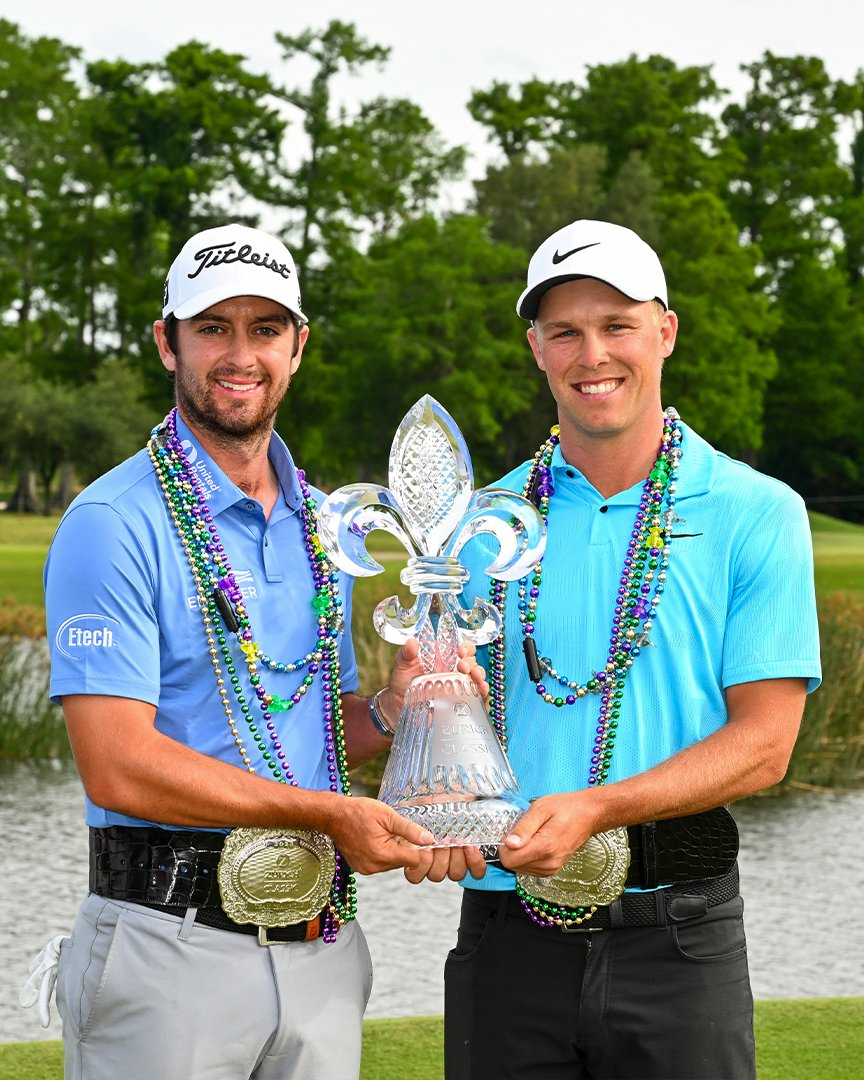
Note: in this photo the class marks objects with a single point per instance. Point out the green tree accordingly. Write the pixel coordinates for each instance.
(793, 192)
(53, 429)
(657, 110)
(784, 133)
(814, 436)
(310, 190)
(528, 197)
(850, 209)
(428, 310)
(363, 171)
(38, 143)
(179, 139)
(723, 360)
(523, 120)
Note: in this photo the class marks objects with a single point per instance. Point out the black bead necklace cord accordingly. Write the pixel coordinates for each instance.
(224, 613)
(641, 585)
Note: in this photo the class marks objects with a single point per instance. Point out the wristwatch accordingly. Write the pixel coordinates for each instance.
(378, 717)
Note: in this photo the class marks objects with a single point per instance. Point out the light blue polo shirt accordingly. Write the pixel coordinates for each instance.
(739, 606)
(123, 615)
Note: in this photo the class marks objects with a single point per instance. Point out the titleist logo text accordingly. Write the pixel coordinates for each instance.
(220, 254)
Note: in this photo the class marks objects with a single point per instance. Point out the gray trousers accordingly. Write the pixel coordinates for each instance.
(149, 996)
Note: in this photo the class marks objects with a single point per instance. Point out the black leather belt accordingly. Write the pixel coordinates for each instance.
(682, 849)
(678, 903)
(171, 870)
(688, 848)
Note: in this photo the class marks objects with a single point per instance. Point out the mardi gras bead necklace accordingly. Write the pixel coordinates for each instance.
(641, 585)
(224, 614)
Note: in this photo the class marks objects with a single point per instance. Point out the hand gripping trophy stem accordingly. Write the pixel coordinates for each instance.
(446, 768)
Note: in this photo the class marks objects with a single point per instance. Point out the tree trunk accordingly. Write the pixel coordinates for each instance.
(25, 498)
(67, 485)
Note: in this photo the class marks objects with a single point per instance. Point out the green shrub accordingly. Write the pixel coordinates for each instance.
(829, 752)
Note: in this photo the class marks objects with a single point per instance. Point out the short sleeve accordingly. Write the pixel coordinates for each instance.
(772, 628)
(100, 600)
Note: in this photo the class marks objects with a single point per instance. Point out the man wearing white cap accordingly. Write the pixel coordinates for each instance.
(652, 669)
(200, 655)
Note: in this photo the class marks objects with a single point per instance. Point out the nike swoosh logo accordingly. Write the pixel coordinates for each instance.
(684, 536)
(556, 258)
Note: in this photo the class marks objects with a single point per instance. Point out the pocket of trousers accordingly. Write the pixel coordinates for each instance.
(713, 937)
(85, 964)
(474, 925)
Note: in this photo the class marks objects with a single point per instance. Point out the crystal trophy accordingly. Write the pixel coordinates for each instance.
(446, 770)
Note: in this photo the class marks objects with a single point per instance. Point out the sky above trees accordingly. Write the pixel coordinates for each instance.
(446, 50)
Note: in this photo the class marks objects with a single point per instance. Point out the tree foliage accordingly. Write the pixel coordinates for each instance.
(755, 205)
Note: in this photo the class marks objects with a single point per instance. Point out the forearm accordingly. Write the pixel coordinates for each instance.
(151, 776)
(749, 753)
(148, 775)
(721, 768)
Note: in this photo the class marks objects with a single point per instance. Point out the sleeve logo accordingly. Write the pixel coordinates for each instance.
(83, 632)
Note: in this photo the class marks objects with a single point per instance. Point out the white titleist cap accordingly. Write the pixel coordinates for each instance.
(231, 260)
(594, 249)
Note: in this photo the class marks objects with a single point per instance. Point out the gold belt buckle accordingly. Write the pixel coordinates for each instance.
(275, 877)
(595, 874)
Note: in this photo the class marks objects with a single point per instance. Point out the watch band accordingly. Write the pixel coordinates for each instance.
(378, 717)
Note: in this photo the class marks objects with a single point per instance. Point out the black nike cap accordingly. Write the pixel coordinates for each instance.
(594, 249)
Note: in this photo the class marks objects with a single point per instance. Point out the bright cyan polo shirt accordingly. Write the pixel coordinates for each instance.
(739, 606)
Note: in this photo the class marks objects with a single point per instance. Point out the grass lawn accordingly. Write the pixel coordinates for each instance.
(839, 563)
(24, 539)
(814, 1039)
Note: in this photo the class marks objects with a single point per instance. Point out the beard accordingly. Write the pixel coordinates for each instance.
(233, 423)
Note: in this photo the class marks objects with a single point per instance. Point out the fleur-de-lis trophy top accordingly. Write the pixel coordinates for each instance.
(446, 769)
(432, 509)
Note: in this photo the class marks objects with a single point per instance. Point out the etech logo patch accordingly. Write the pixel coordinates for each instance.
(83, 632)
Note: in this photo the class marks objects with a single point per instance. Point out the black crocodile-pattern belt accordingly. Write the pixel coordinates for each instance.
(171, 870)
(688, 848)
(682, 849)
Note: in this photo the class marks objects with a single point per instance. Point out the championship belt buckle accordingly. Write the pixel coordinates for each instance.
(275, 877)
(595, 874)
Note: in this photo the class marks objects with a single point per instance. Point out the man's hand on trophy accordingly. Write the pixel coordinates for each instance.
(468, 666)
(547, 834)
(407, 666)
(373, 837)
(436, 864)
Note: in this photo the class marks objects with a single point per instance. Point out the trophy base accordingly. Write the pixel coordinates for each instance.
(484, 822)
(446, 770)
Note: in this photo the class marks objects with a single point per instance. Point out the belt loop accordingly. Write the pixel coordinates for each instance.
(504, 900)
(660, 901)
(616, 914)
(187, 924)
(648, 855)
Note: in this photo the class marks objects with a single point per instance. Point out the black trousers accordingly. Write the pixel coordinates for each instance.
(523, 1002)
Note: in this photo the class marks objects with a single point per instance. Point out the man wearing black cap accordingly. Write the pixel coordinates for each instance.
(200, 654)
(652, 669)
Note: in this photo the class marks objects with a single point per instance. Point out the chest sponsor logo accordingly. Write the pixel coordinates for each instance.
(201, 466)
(83, 633)
(245, 582)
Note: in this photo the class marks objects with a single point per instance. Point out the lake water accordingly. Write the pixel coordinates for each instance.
(800, 877)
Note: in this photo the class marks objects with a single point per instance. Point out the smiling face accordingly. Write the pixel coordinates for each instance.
(233, 366)
(603, 356)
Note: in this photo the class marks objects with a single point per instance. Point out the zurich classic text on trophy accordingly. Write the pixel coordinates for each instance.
(446, 769)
